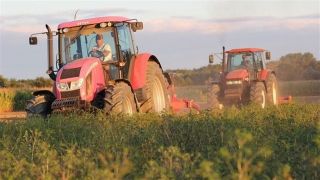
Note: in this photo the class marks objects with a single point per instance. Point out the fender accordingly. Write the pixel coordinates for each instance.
(264, 73)
(43, 92)
(134, 94)
(49, 96)
(263, 76)
(139, 69)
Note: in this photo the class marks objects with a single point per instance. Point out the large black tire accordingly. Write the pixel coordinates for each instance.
(39, 105)
(272, 90)
(258, 94)
(119, 99)
(213, 95)
(155, 90)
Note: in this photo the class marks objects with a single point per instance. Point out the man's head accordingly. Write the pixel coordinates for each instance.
(99, 40)
(244, 57)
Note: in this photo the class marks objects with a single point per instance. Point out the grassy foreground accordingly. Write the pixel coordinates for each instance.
(279, 143)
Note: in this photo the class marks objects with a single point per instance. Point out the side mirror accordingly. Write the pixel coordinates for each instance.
(268, 55)
(33, 40)
(136, 26)
(211, 58)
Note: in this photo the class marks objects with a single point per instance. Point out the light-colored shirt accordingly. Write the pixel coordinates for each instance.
(103, 48)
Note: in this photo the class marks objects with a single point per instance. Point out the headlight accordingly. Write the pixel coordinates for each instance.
(76, 84)
(62, 86)
(234, 82)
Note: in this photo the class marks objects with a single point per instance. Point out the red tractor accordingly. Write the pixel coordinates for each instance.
(111, 75)
(244, 79)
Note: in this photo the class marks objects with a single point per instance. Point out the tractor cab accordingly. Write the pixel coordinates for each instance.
(250, 60)
(111, 43)
(243, 63)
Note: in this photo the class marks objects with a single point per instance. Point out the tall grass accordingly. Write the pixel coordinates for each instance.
(6, 100)
(13, 99)
(277, 142)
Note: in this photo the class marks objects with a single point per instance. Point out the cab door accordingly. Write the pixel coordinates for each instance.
(126, 46)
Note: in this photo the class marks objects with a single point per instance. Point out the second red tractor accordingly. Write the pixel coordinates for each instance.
(244, 79)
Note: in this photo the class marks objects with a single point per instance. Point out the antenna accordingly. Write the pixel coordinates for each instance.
(75, 15)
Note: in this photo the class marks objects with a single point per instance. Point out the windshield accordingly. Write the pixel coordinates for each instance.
(240, 61)
(80, 42)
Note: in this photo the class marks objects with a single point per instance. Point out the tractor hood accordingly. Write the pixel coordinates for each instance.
(82, 78)
(237, 74)
(78, 68)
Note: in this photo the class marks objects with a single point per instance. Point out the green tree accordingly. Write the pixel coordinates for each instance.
(3, 81)
(296, 66)
(197, 76)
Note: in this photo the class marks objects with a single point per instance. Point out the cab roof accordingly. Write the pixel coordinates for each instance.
(245, 50)
(112, 19)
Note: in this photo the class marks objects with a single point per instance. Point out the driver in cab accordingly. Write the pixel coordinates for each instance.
(103, 48)
(246, 61)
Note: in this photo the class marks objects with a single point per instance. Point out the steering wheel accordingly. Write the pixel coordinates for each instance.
(97, 54)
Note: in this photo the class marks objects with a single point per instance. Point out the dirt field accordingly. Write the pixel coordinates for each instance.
(199, 95)
(301, 91)
(5, 116)
(203, 104)
(307, 99)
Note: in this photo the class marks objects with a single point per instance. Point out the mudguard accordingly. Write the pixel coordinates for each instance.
(139, 69)
(263, 75)
(43, 92)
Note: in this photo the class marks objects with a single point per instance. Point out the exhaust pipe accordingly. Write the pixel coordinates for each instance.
(50, 53)
(223, 58)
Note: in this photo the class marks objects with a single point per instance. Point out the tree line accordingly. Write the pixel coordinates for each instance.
(39, 82)
(291, 67)
(296, 66)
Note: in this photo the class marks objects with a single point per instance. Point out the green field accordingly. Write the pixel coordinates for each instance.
(273, 143)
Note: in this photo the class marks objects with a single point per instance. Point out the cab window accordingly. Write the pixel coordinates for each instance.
(125, 40)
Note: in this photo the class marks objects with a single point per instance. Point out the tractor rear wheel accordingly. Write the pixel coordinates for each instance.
(258, 94)
(272, 90)
(213, 94)
(119, 99)
(155, 90)
(39, 105)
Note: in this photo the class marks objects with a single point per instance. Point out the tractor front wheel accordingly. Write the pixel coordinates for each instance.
(119, 99)
(258, 94)
(155, 90)
(39, 105)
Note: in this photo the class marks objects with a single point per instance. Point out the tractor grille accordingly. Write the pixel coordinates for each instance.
(69, 73)
(233, 90)
(234, 86)
(70, 94)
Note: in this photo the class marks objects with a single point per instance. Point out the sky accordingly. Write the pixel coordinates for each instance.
(180, 33)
